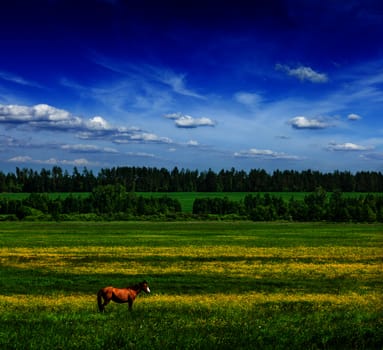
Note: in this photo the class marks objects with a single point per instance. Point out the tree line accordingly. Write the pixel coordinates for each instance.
(112, 202)
(316, 206)
(143, 179)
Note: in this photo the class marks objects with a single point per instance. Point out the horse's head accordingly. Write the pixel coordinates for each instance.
(145, 287)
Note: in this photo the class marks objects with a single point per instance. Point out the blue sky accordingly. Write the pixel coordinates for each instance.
(193, 84)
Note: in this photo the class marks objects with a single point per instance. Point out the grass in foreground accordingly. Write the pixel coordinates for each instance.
(214, 285)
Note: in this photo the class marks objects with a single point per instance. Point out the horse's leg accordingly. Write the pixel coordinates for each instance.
(130, 303)
(103, 299)
(100, 297)
(106, 302)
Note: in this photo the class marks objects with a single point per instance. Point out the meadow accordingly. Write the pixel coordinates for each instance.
(215, 285)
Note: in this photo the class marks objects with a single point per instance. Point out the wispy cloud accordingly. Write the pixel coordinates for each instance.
(360, 84)
(117, 94)
(16, 79)
(302, 122)
(303, 73)
(177, 83)
(348, 146)
(52, 161)
(10, 141)
(248, 99)
(142, 137)
(28, 145)
(373, 156)
(187, 121)
(265, 154)
(140, 154)
(150, 75)
(84, 148)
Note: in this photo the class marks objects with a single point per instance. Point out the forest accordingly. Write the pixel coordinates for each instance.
(112, 195)
(143, 179)
(112, 202)
(316, 206)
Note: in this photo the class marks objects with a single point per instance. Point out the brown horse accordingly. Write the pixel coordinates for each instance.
(120, 295)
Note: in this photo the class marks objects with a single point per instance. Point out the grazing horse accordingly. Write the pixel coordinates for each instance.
(120, 295)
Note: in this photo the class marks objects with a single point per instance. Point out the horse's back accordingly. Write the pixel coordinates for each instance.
(106, 290)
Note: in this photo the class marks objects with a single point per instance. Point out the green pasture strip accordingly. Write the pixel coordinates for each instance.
(215, 285)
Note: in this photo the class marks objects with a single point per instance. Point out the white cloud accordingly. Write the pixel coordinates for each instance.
(41, 115)
(354, 117)
(187, 121)
(193, 143)
(46, 112)
(190, 122)
(148, 137)
(348, 146)
(140, 138)
(98, 123)
(303, 73)
(264, 154)
(45, 117)
(77, 162)
(302, 122)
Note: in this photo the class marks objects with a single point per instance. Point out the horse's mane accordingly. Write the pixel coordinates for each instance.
(137, 285)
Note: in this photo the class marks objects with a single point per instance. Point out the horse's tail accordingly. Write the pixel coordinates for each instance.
(99, 300)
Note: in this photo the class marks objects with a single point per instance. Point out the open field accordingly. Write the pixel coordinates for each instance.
(215, 285)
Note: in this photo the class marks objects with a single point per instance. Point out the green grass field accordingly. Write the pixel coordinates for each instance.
(215, 285)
